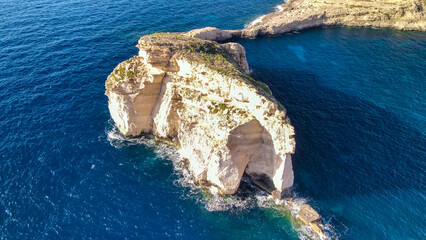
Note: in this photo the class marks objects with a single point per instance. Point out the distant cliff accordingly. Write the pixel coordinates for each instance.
(302, 14)
(197, 95)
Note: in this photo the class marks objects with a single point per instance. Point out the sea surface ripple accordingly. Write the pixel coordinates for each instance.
(355, 96)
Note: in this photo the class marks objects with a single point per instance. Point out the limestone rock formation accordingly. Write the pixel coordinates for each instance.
(214, 34)
(197, 94)
(302, 14)
(310, 217)
(239, 53)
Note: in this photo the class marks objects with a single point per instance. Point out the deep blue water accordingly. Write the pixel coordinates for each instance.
(355, 96)
(357, 100)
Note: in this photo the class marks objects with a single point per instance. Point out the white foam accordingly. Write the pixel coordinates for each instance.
(117, 140)
(279, 8)
(293, 207)
(255, 21)
(211, 200)
(217, 203)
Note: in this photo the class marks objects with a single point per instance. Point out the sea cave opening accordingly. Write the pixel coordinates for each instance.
(253, 152)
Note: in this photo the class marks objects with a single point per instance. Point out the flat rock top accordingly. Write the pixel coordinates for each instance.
(213, 55)
(209, 53)
(308, 214)
(383, 5)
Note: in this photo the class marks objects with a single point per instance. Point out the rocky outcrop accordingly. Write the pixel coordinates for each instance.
(214, 34)
(302, 14)
(197, 94)
(310, 217)
(239, 53)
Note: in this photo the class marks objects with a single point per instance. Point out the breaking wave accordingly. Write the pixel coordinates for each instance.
(278, 8)
(255, 21)
(248, 196)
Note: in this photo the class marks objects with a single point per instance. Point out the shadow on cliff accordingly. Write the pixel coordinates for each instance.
(345, 145)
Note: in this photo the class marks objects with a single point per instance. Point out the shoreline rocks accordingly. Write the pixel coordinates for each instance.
(310, 217)
(303, 14)
(297, 15)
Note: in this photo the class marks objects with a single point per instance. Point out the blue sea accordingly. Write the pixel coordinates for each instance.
(356, 98)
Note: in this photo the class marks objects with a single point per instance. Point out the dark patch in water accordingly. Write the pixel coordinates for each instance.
(360, 152)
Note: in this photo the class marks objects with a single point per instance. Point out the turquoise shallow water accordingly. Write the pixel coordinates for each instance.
(355, 97)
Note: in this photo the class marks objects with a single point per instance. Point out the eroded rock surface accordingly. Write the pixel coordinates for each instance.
(214, 34)
(238, 51)
(302, 14)
(310, 217)
(197, 94)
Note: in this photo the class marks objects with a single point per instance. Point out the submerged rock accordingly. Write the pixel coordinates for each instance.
(310, 217)
(197, 94)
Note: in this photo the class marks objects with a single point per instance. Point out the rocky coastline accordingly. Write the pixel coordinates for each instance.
(198, 96)
(295, 15)
(303, 14)
(192, 92)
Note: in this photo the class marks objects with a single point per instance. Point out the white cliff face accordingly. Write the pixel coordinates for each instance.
(197, 94)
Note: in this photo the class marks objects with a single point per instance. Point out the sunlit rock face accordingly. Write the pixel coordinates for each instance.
(302, 14)
(198, 95)
(213, 34)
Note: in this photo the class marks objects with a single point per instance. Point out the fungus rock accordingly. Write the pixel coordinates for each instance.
(197, 94)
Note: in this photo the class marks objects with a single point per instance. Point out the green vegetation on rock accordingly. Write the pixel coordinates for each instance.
(209, 53)
(126, 70)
